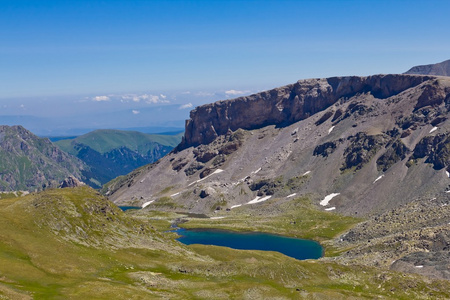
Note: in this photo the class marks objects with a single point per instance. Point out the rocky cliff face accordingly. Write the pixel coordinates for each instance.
(30, 163)
(378, 142)
(289, 104)
(439, 69)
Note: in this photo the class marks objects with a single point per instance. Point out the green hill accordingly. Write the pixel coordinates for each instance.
(74, 244)
(111, 153)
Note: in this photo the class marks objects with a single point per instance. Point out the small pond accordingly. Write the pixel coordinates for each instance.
(125, 208)
(293, 247)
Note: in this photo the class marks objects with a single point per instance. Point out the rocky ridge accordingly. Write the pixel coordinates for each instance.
(286, 105)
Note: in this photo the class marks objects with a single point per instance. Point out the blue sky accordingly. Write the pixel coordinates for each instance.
(75, 50)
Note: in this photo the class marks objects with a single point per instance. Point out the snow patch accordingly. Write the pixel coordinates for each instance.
(234, 206)
(306, 173)
(328, 198)
(433, 129)
(331, 208)
(176, 194)
(448, 174)
(419, 267)
(254, 172)
(378, 178)
(259, 199)
(147, 203)
(331, 129)
(215, 172)
(291, 195)
(216, 218)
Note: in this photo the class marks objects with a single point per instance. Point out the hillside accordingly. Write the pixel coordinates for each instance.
(439, 69)
(30, 163)
(74, 244)
(111, 153)
(369, 143)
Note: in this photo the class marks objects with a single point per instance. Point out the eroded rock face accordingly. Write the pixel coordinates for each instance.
(436, 148)
(71, 182)
(291, 103)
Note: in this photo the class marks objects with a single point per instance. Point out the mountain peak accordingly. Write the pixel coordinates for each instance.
(439, 69)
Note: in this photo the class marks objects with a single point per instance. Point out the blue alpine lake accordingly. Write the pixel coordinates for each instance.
(125, 208)
(293, 247)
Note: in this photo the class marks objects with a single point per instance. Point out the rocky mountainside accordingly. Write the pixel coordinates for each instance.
(111, 153)
(355, 145)
(30, 163)
(439, 69)
(376, 148)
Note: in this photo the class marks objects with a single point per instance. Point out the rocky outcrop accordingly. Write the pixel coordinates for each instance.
(437, 150)
(71, 182)
(439, 69)
(361, 149)
(395, 152)
(289, 104)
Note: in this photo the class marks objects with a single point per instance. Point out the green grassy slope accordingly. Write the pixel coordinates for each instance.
(106, 140)
(74, 244)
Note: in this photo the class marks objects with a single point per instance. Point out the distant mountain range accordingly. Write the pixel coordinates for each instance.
(439, 69)
(111, 153)
(31, 163)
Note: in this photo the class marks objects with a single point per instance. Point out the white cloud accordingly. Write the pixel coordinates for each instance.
(22, 106)
(101, 98)
(187, 105)
(135, 112)
(163, 96)
(204, 94)
(150, 99)
(235, 92)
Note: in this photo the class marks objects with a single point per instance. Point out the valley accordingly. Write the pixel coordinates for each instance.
(111, 153)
